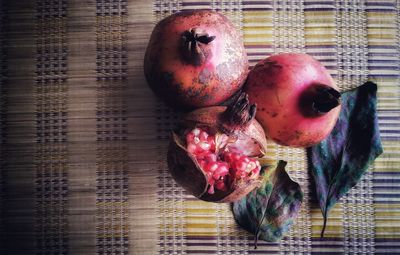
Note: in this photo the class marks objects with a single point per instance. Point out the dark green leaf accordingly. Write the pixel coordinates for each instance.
(339, 161)
(268, 211)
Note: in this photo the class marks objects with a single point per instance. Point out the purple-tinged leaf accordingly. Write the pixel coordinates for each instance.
(268, 211)
(339, 161)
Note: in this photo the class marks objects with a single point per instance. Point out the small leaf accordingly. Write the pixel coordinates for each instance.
(268, 211)
(339, 161)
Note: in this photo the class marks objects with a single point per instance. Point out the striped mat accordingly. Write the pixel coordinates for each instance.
(83, 140)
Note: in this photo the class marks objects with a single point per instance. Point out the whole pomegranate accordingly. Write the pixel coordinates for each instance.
(214, 153)
(195, 59)
(298, 101)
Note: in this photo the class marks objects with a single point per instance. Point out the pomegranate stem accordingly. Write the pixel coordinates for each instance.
(192, 47)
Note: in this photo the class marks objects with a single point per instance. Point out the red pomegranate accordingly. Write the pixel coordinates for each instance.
(195, 59)
(214, 155)
(298, 101)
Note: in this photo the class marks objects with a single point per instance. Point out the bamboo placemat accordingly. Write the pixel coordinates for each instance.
(83, 139)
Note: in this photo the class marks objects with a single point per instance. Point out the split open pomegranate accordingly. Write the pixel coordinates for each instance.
(222, 164)
(214, 153)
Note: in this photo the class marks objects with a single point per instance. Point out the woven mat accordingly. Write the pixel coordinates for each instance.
(83, 139)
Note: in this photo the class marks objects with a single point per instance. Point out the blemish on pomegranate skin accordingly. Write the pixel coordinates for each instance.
(204, 76)
(277, 98)
(274, 114)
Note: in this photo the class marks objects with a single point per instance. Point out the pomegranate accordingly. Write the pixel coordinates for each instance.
(195, 59)
(214, 154)
(298, 101)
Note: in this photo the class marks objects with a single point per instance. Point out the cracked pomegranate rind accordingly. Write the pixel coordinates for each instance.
(214, 155)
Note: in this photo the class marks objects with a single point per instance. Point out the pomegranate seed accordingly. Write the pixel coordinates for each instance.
(212, 167)
(235, 157)
(202, 163)
(256, 171)
(203, 136)
(228, 156)
(222, 169)
(205, 146)
(240, 165)
(189, 137)
(211, 189)
(192, 148)
(211, 141)
(245, 159)
(220, 185)
(210, 157)
(196, 131)
(211, 180)
(250, 166)
(196, 140)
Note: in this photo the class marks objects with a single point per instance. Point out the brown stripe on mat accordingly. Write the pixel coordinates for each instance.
(82, 87)
(143, 155)
(19, 171)
(112, 146)
(3, 111)
(51, 156)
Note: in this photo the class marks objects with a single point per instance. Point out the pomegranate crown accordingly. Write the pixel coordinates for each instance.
(192, 46)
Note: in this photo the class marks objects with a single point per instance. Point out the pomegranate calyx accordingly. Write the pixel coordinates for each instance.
(319, 100)
(241, 112)
(192, 47)
(326, 99)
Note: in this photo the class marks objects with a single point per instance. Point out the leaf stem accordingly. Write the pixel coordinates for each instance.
(324, 226)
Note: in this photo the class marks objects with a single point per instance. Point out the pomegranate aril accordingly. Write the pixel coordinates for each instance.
(220, 185)
(203, 136)
(211, 190)
(204, 146)
(211, 180)
(192, 148)
(210, 157)
(250, 166)
(236, 156)
(221, 171)
(240, 165)
(211, 141)
(202, 163)
(227, 156)
(255, 171)
(196, 131)
(211, 167)
(189, 137)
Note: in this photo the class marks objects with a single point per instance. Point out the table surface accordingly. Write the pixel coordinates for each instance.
(83, 139)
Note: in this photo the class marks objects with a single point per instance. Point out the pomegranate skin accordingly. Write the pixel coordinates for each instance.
(188, 81)
(286, 87)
